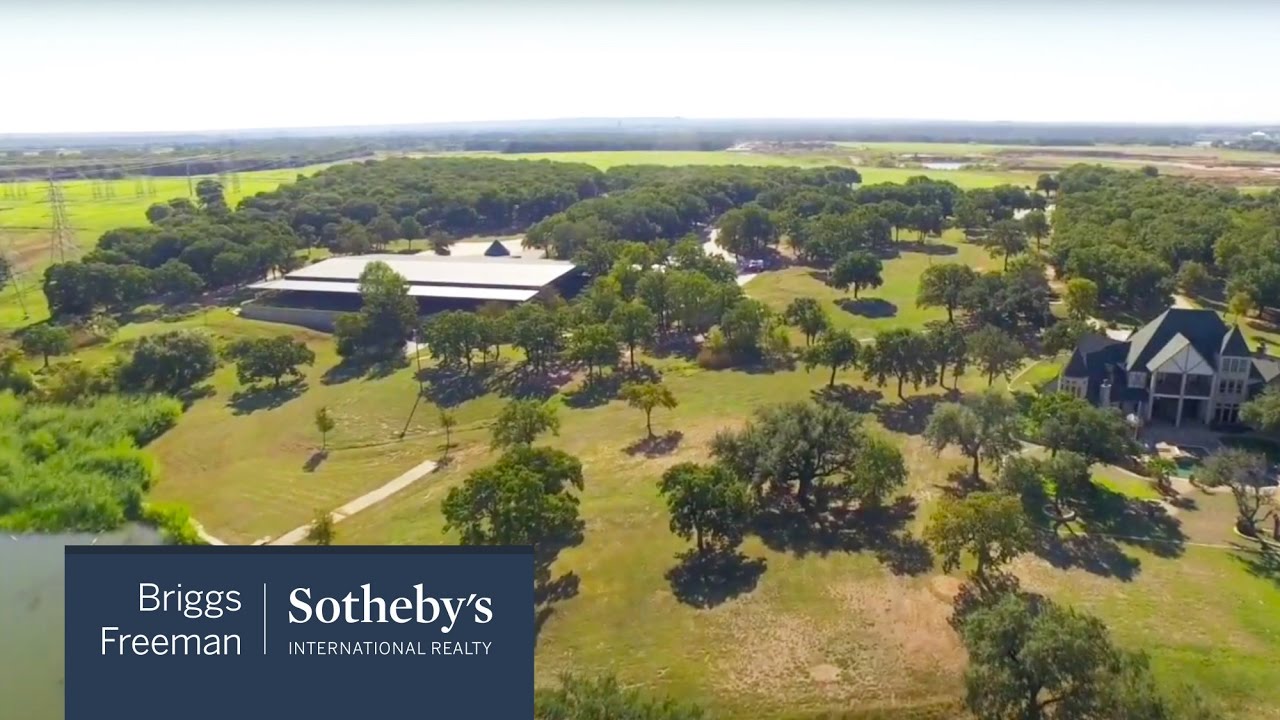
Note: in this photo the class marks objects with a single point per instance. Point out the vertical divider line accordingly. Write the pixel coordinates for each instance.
(264, 619)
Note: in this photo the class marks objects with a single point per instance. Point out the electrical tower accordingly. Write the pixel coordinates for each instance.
(62, 241)
(15, 272)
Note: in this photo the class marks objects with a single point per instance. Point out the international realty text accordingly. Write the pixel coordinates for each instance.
(387, 647)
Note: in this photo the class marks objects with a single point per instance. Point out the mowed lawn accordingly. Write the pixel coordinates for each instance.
(26, 225)
(891, 305)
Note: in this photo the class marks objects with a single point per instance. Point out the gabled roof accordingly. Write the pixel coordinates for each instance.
(1203, 330)
(1234, 343)
(1175, 345)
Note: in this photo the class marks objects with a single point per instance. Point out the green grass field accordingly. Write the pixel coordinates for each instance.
(607, 159)
(891, 305)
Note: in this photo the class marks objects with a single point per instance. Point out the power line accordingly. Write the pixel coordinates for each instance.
(63, 238)
(15, 273)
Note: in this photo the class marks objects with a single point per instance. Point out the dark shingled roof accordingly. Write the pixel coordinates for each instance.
(1234, 344)
(1203, 329)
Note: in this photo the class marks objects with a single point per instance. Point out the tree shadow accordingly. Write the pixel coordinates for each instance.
(595, 391)
(1106, 521)
(1263, 562)
(680, 345)
(785, 526)
(960, 482)
(657, 445)
(526, 383)
(351, 368)
(705, 580)
(450, 387)
(314, 461)
(264, 397)
(854, 398)
(908, 416)
(926, 248)
(189, 396)
(868, 307)
(546, 593)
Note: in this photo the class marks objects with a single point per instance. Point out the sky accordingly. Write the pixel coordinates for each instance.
(113, 66)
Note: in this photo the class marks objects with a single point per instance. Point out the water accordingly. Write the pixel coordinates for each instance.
(31, 618)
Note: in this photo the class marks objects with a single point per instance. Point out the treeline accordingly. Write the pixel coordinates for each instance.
(1140, 237)
(451, 196)
(74, 168)
(647, 203)
(188, 247)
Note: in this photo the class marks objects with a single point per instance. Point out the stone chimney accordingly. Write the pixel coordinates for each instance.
(1104, 394)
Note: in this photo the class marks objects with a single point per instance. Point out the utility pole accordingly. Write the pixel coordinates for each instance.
(15, 273)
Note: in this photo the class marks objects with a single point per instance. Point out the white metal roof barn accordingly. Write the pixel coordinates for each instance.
(432, 276)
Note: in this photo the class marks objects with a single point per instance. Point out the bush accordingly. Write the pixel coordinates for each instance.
(714, 353)
(77, 467)
(174, 523)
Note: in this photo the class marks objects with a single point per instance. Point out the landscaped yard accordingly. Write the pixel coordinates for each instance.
(891, 305)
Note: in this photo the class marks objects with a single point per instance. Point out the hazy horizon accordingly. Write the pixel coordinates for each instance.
(142, 67)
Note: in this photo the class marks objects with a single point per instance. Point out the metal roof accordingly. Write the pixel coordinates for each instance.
(433, 291)
(491, 272)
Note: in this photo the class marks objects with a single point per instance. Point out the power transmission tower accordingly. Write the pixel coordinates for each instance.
(63, 238)
(15, 273)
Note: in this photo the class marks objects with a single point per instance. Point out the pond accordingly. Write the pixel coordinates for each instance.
(31, 617)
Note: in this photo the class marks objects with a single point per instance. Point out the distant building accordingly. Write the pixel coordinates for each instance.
(1185, 365)
(312, 296)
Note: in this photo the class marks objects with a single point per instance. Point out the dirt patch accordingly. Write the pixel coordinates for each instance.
(883, 639)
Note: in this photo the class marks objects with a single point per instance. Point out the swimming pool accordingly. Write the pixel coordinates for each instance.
(1187, 464)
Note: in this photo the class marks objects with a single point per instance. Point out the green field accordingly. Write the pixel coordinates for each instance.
(891, 305)
(607, 159)
(26, 222)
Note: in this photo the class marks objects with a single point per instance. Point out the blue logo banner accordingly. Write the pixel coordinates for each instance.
(281, 632)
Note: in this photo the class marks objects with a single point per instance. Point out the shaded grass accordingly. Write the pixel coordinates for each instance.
(870, 313)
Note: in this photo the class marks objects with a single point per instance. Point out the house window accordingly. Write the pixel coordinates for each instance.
(1235, 365)
(1227, 414)
(1137, 379)
(1077, 389)
(1230, 387)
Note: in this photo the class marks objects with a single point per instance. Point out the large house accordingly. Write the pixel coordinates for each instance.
(1185, 365)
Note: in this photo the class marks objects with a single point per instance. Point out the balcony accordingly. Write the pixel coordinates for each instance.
(1199, 385)
(1168, 384)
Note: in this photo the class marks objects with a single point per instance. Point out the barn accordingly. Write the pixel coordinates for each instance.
(312, 296)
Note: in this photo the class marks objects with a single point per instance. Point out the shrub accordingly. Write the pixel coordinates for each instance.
(174, 523)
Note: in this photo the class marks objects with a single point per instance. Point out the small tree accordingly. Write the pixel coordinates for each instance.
(858, 269)
(1160, 470)
(325, 424)
(1241, 304)
(1194, 279)
(522, 499)
(706, 503)
(636, 326)
(995, 352)
(646, 396)
(321, 531)
(1082, 298)
(46, 340)
(1249, 479)
(1036, 224)
(171, 362)
(989, 526)
(983, 426)
(1263, 411)
(595, 346)
(274, 358)
(879, 472)
(521, 422)
(448, 422)
(836, 349)
(944, 285)
(807, 314)
(901, 353)
(1007, 238)
(948, 348)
